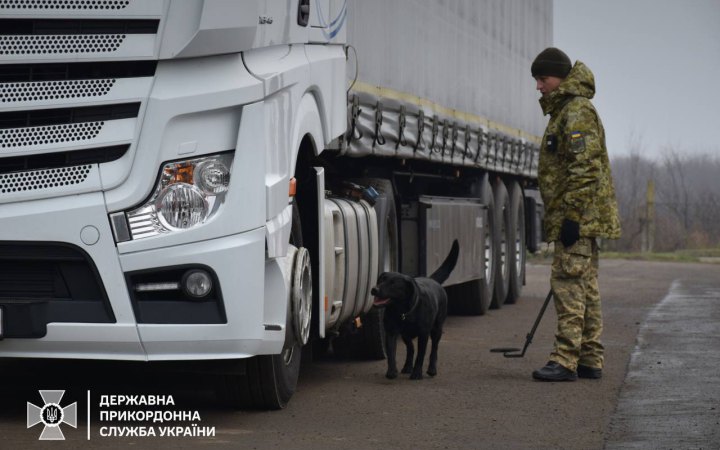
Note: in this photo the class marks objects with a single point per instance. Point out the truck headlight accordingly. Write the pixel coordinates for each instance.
(181, 206)
(187, 194)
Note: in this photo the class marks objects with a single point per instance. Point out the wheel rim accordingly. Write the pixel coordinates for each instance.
(302, 296)
(504, 244)
(489, 267)
(518, 248)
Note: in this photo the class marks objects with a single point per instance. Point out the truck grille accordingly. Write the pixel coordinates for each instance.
(74, 76)
(30, 163)
(20, 73)
(64, 4)
(43, 179)
(55, 126)
(43, 45)
(67, 115)
(22, 137)
(53, 90)
(92, 27)
(62, 36)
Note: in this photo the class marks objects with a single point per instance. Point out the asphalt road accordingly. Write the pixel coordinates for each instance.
(478, 399)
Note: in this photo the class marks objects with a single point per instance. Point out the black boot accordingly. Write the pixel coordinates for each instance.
(589, 372)
(554, 372)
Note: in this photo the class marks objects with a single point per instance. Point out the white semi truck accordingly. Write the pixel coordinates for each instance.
(221, 180)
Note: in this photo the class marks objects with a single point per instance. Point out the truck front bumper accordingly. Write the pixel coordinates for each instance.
(80, 221)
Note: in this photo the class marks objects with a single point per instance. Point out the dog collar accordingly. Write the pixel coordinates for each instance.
(416, 301)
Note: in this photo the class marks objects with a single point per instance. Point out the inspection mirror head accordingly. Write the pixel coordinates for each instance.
(504, 349)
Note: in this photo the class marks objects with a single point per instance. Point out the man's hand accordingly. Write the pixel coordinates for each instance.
(569, 232)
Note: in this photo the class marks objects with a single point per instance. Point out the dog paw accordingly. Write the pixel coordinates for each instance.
(416, 376)
(406, 369)
(432, 372)
(391, 374)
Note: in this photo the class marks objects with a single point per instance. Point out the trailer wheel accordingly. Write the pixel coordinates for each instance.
(516, 261)
(269, 380)
(503, 240)
(473, 297)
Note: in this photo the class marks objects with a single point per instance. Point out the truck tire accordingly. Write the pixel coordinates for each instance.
(371, 341)
(502, 236)
(269, 381)
(365, 342)
(516, 261)
(473, 297)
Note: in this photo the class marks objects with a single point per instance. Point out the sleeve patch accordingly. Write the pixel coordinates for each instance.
(577, 142)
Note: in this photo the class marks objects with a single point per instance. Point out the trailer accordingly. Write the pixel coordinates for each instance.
(221, 182)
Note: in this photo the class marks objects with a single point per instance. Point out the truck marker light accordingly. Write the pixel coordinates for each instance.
(177, 173)
(293, 187)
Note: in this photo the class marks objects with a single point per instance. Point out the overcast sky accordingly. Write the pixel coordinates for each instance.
(656, 66)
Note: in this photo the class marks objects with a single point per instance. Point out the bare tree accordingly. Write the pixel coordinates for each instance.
(631, 174)
(687, 201)
(674, 188)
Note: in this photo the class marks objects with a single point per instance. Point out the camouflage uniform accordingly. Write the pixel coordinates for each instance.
(576, 184)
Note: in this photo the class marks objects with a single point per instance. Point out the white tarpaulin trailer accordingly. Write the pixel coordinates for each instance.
(455, 72)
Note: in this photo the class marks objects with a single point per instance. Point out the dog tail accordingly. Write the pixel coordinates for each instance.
(446, 268)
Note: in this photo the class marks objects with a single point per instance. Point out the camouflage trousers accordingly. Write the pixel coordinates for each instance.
(574, 281)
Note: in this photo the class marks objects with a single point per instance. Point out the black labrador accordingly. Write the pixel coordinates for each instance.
(414, 307)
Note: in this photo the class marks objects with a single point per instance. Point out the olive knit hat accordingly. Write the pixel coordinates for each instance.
(551, 62)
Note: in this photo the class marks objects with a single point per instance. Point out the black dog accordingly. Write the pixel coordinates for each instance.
(414, 307)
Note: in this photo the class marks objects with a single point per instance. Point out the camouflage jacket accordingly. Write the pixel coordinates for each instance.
(574, 169)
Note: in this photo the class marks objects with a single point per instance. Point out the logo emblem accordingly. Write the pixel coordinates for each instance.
(52, 415)
(577, 142)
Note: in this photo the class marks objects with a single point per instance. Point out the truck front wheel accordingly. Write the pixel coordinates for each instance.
(270, 381)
